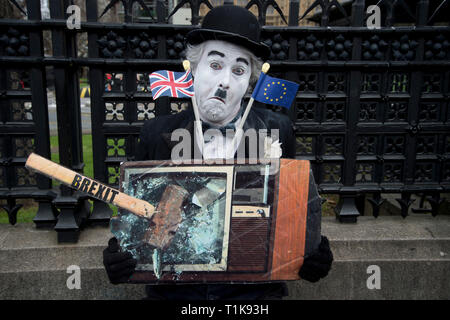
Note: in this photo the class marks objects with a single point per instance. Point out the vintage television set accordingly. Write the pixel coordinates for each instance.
(233, 222)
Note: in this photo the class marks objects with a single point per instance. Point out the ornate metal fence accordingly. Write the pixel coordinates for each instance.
(372, 113)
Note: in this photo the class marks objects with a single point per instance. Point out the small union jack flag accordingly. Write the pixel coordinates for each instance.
(172, 84)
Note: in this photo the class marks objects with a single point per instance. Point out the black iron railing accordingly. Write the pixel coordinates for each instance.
(372, 113)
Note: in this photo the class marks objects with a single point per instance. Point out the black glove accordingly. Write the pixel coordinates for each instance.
(119, 265)
(317, 265)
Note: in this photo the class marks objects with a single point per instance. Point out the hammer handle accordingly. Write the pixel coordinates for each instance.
(90, 186)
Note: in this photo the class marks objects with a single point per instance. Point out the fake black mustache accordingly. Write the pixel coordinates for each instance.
(222, 94)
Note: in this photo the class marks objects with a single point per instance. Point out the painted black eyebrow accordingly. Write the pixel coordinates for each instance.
(242, 60)
(216, 53)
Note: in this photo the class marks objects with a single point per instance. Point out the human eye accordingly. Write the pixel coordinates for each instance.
(238, 71)
(215, 66)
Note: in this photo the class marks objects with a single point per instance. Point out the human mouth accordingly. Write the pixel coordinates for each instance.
(219, 99)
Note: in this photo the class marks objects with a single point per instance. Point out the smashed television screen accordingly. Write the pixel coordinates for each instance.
(218, 223)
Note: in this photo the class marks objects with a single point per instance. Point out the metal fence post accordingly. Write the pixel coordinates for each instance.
(68, 110)
(413, 121)
(101, 212)
(46, 214)
(347, 210)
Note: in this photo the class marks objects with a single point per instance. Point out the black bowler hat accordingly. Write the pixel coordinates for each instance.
(233, 24)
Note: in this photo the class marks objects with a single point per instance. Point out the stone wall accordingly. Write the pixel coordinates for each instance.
(413, 255)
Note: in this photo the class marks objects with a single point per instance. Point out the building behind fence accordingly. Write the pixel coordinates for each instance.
(372, 112)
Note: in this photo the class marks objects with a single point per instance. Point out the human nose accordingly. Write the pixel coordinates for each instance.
(225, 80)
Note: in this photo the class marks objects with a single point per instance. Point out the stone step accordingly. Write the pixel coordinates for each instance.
(399, 280)
(426, 249)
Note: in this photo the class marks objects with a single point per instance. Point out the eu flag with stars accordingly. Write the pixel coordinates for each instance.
(275, 91)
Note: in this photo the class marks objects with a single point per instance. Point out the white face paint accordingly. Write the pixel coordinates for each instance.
(220, 81)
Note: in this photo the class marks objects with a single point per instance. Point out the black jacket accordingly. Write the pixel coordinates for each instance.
(155, 141)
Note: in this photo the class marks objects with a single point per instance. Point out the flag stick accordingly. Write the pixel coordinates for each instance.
(265, 68)
(187, 66)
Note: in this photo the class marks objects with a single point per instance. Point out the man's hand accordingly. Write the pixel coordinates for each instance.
(317, 265)
(119, 265)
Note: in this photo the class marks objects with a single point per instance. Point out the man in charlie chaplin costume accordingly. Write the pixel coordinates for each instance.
(226, 56)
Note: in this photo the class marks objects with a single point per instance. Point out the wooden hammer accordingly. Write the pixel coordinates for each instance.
(90, 186)
(165, 219)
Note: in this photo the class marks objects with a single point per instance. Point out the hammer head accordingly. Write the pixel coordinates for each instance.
(167, 217)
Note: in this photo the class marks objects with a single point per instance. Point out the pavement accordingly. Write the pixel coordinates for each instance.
(410, 257)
